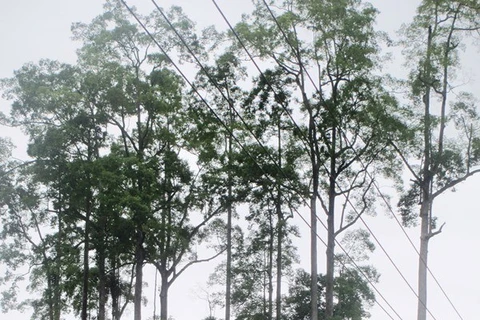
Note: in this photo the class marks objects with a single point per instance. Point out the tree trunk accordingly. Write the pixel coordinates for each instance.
(139, 257)
(102, 282)
(426, 191)
(313, 223)
(229, 259)
(422, 261)
(57, 292)
(114, 289)
(228, 283)
(51, 312)
(270, 267)
(164, 297)
(279, 263)
(84, 313)
(330, 255)
(280, 223)
(331, 232)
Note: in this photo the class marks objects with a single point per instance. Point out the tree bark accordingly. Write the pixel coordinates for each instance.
(164, 297)
(114, 289)
(426, 191)
(313, 223)
(280, 224)
(102, 282)
(86, 249)
(139, 258)
(228, 281)
(57, 291)
(330, 254)
(422, 261)
(270, 267)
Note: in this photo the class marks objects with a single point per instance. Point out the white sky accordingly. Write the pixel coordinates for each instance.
(30, 30)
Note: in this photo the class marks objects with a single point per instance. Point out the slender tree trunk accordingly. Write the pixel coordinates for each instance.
(331, 232)
(229, 259)
(229, 223)
(114, 289)
(270, 267)
(86, 249)
(139, 257)
(426, 191)
(57, 292)
(330, 262)
(279, 267)
(422, 261)
(51, 313)
(313, 223)
(164, 297)
(280, 223)
(102, 282)
(330, 258)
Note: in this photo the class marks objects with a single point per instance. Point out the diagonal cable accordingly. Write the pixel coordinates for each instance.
(238, 142)
(212, 80)
(375, 184)
(256, 65)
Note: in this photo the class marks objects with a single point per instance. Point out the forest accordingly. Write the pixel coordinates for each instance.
(167, 146)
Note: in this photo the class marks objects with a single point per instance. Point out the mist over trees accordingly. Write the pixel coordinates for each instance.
(133, 163)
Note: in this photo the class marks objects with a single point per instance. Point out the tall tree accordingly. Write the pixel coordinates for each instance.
(350, 115)
(64, 141)
(130, 198)
(217, 139)
(353, 295)
(433, 40)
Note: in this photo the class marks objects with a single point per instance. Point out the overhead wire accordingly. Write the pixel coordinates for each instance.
(302, 67)
(211, 109)
(375, 184)
(219, 119)
(383, 197)
(196, 91)
(291, 117)
(228, 128)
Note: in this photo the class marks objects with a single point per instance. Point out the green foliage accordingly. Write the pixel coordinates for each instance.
(131, 168)
(449, 128)
(352, 293)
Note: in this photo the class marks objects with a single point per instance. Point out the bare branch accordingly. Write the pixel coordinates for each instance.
(433, 234)
(454, 183)
(176, 275)
(359, 214)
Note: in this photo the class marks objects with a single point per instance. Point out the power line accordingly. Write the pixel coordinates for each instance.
(301, 66)
(236, 139)
(216, 85)
(375, 184)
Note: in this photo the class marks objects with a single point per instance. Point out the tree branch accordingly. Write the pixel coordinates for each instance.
(176, 275)
(433, 234)
(454, 183)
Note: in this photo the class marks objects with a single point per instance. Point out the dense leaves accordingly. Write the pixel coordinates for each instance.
(129, 167)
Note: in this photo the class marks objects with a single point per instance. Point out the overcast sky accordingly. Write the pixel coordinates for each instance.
(31, 30)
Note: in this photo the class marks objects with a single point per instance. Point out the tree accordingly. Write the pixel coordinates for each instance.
(352, 291)
(125, 196)
(65, 142)
(215, 138)
(351, 117)
(278, 187)
(433, 40)
(353, 295)
(170, 204)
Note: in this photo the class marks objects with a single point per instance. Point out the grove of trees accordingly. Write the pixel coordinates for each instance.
(134, 163)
